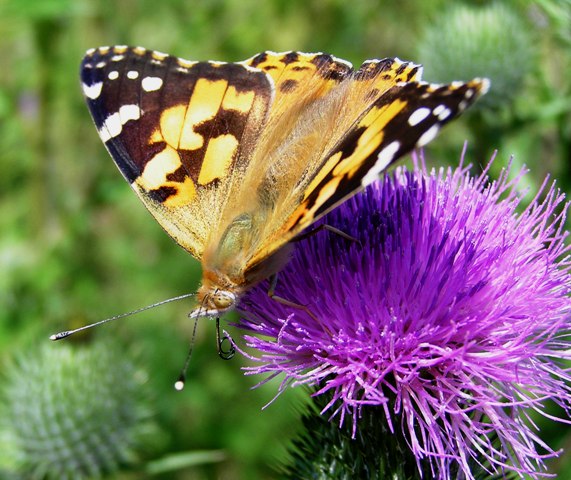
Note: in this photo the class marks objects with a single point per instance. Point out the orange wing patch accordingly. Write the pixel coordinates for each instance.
(299, 79)
(372, 128)
(179, 133)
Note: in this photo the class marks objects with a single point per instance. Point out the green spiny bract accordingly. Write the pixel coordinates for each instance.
(72, 412)
(326, 451)
(491, 41)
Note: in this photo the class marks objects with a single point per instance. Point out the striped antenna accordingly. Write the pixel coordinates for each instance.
(67, 333)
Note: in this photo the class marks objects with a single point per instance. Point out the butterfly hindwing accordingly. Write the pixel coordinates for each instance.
(176, 129)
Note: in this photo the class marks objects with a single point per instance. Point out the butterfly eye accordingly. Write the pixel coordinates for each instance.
(223, 299)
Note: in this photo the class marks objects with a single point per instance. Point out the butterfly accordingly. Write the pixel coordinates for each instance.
(234, 160)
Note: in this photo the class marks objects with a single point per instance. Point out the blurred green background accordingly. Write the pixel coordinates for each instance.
(76, 245)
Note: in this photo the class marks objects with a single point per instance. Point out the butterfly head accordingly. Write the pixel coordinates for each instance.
(213, 301)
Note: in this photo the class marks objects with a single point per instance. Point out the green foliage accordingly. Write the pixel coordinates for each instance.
(77, 246)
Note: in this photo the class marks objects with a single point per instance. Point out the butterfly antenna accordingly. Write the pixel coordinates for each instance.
(67, 333)
(179, 384)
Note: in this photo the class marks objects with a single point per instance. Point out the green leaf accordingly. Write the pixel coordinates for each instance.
(178, 461)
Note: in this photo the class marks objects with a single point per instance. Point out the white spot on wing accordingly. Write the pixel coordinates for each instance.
(341, 61)
(92, 91)
(185, 63)
(129, 112)
(442, 112)
(104, 134)
(113, 75)
(428, 136)
(418, 116)
(385, 157)
(485, 85)
(111, 127)
(150, 84)
(117, 58)
(132, 74)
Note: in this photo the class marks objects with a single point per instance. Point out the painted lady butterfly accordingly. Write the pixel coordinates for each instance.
(236, 159)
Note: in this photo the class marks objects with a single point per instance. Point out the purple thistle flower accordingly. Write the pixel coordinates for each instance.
(451, 314)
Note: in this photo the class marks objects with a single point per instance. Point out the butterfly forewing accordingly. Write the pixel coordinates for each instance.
(405, 117)
(387, 112)
(177, 130)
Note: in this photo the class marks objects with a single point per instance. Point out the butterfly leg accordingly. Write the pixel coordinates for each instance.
(289, 303)
(224, 354)
(283, 301)
(329, 228)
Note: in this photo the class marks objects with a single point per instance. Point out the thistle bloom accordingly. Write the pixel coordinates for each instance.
(451, 313)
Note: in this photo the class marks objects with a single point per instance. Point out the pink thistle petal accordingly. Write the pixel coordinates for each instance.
(450, 315)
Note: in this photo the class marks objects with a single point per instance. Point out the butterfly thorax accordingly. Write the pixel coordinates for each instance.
(223, 267)
(228, 271)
